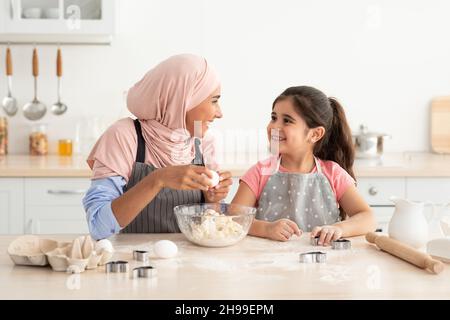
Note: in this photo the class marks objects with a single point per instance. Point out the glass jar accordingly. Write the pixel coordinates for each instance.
(38, 140)
(3, 136)
(65, 147)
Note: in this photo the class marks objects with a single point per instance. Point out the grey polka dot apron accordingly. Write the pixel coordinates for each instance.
(307, 199)
(158, 215)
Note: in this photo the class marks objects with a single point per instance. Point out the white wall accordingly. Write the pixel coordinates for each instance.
(384, 60)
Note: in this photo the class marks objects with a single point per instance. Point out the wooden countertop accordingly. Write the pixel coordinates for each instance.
(405, 164)
(253, 269)
(43, 166)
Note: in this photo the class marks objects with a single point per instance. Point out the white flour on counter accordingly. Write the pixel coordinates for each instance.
(335, 274)
(271, 256)
(285, 262)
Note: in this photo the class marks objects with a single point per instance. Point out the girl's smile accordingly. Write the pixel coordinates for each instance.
(276, 137)
(286, 128)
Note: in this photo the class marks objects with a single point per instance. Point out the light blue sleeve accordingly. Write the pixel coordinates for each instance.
(97, 205)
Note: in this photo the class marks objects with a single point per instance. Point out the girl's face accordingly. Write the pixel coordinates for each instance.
(199, 118)
(288, 129)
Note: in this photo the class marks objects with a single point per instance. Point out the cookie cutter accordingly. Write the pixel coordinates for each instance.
(117, 267)
(313, 257)
(315, 241)
(140, 255)
(341, 244)
(144, 272)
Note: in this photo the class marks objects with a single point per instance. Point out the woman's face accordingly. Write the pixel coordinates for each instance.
(287, 129)
(200, 117)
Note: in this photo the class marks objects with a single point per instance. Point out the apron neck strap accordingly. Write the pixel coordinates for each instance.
(198, 160)
(318, 167)
(316, 161)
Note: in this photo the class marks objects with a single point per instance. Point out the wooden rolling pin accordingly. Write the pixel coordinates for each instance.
(405, 252)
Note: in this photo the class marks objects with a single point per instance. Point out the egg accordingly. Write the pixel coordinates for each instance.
(104, 245)
(215, 178)
(165, 249)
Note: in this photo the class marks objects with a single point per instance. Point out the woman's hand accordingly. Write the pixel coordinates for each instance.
(219, 192)
(327, 234)
(282, 230)
(188, 177)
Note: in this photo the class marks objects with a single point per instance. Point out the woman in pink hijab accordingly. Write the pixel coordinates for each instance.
(143, 168)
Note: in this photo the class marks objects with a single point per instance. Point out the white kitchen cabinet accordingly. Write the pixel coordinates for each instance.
(377, 191)
(42, 205)
(54, 205)
(11, 206)
(55, 220)
(435, 190)
(57, 21)
(383, 215)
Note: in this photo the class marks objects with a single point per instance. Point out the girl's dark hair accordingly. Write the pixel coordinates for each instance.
(317, 110)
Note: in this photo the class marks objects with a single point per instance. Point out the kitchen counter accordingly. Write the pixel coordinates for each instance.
(43, 166)
(253, 269)
(405, 164)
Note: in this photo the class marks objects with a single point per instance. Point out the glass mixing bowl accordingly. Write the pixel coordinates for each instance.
(214, 224)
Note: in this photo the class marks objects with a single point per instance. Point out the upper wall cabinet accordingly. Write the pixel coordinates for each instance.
(57, 21)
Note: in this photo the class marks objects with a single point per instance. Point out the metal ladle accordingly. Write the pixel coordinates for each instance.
(35, 110)
(9, 103)
(59, 108)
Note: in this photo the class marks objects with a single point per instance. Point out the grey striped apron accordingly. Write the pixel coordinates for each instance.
(158, 215)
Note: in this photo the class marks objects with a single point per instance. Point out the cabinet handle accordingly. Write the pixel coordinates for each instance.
(373, 191)
(66, 192)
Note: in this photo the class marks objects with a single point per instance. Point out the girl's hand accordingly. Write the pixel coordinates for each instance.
(327, 234)
(220, 191)
(282, 230)
(188, 177)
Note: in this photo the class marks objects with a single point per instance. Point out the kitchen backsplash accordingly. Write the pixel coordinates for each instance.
(388, 90)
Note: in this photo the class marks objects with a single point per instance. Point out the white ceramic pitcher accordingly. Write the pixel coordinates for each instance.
(408, 223)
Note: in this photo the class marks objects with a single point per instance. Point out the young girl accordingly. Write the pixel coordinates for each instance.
(310, 186)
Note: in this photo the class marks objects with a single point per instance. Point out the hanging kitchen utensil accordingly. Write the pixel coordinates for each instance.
(9, 102)
(59, 108)
(35, 109)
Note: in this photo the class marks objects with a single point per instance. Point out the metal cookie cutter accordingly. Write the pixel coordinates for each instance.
(315, 241)
(313, 257)
(117, 267)
(144, 272)
(140, 255)
(341, 244)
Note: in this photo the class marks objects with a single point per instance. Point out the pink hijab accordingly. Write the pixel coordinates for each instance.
(160, 101)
